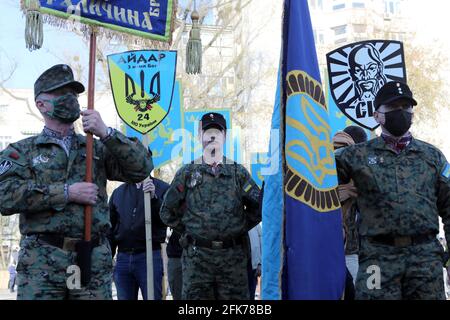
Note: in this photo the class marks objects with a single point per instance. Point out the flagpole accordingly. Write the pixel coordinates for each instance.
(148, 235)
(89, 137)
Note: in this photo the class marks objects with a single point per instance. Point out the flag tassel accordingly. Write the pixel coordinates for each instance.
(34, 31)
(194, 47)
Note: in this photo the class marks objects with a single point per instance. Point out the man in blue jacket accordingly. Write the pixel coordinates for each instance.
(128, 236)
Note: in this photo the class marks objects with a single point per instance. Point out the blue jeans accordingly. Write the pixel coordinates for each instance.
(130, 275)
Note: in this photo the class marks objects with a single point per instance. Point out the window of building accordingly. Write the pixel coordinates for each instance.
(320, 4)
(339, 6)
(339, 30)
(359, 28)
(392, 7)
(318, 37)
(358, 5)
(340, 41)
(316, 4)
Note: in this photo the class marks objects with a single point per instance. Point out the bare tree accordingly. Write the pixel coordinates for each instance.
(30, 109)
(425, 77)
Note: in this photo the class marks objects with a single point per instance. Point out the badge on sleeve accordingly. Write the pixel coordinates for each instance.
(446, 171)
(372, 160)
(5, 165)
(247, 187)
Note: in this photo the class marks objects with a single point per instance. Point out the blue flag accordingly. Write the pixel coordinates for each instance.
(311, 262)
(143, 18)
(272, 213)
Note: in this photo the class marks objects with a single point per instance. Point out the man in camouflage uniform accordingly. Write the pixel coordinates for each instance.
(213, 202)
(41, 178)
(403, 186)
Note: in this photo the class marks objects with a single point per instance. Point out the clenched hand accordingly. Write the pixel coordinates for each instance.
(83, 193)
(149, 186)
(93, 123)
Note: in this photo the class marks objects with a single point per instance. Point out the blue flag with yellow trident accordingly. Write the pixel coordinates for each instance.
(312, 264)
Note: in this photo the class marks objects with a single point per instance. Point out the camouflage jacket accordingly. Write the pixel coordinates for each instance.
(212, 206)
(35, 170)
(400, 194)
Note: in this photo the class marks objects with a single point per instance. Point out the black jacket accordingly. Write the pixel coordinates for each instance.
(126, 207)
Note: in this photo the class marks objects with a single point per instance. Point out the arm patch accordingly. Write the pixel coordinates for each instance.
(446, 172)
(5, 166)
(247, 187)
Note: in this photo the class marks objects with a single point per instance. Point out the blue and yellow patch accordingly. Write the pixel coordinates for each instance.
(247, 187)
(446, 172)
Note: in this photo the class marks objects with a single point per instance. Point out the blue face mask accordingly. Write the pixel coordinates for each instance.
(65, 108)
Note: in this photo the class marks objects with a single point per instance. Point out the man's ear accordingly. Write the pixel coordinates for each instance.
(378, 117)
(40, 105)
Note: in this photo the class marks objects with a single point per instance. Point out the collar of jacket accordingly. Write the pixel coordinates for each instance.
(223, 168)
(42, 138)
(380, 144)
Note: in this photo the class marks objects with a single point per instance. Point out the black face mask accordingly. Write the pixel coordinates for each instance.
(65, 108)
(397, 122)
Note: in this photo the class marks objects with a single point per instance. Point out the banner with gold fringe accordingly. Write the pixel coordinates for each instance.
(148, 19)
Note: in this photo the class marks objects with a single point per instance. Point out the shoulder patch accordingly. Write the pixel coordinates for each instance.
(446, 172)
(14, 155)
(5, 166)
(11, 154)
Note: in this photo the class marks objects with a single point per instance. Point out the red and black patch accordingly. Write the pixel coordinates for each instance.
(180, 188)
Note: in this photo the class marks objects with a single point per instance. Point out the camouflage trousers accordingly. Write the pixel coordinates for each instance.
(214, 274)
(395, 273)
(43, 273)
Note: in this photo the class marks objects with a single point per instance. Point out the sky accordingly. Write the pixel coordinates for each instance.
(13, 50)
(59, 44)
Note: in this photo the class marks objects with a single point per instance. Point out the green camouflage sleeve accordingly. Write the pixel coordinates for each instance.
(343, 165)
(249, 191)
(19, 192)
(173, 205)
(443, 202)
(127, 159)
